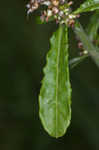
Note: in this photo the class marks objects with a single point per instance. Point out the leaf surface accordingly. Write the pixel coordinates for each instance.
(88, 5)
(55, 93)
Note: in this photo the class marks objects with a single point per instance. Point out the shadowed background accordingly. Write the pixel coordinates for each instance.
(23, 47)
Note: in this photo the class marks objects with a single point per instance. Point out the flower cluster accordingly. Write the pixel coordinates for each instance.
(58, 10)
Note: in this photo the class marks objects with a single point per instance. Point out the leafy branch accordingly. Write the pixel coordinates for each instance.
(55, 93)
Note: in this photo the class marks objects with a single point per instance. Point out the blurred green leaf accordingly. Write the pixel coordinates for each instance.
(93, 26)
(92, 30)
(88, 5)
(87, 44)
(77, 60)
(55, 93)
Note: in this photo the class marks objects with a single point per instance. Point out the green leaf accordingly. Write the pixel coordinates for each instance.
(88, 5)
(87, 44)
(77, 60)
(93, 26)
(55, 93)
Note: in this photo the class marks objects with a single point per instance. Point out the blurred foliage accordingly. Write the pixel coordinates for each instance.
(23, 46)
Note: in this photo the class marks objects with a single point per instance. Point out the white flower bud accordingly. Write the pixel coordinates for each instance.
(72, 16)
(47, 3)
(28, 6)
(49, 13)
(61, 13)
(55, 10)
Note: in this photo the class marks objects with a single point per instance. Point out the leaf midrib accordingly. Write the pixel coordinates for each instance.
(57, 72)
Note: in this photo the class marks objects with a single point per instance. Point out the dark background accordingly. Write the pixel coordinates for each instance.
(23, 47)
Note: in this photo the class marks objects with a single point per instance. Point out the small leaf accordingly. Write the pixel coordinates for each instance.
(77, 60)
(55, 93)
(88, 5)
(87, 44)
